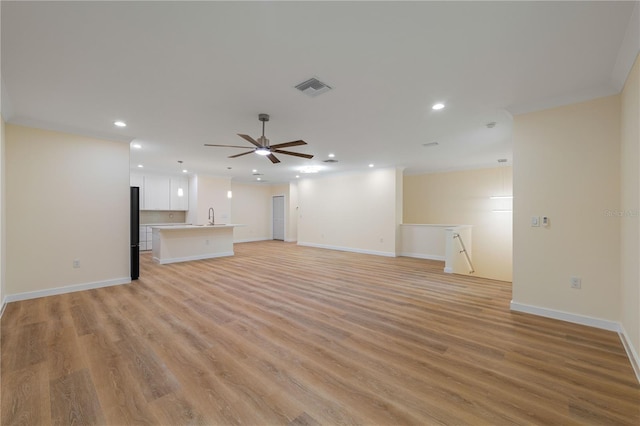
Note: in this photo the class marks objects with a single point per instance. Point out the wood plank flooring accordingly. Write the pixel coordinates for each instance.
(288, 335)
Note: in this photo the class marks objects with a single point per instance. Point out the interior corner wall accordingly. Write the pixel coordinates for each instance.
(566, 167)
(251, 208)
(629, 216)
(462, 198)
(352, 212)
(67, 198)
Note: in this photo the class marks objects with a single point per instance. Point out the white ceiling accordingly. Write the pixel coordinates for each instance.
(183, 74)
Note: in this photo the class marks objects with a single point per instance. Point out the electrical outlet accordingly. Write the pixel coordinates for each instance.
(206, 242)
(76, 263)
(381, 240)
(576, 282)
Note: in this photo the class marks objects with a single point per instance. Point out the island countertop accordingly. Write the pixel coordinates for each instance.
(184, 243)
(180, 227)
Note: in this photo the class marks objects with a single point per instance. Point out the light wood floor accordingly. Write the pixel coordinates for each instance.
(281, 334)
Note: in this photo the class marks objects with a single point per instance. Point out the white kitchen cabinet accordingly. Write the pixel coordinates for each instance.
(156, 192)
(179, 195)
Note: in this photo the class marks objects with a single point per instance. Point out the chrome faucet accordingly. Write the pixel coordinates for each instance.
(211, 216)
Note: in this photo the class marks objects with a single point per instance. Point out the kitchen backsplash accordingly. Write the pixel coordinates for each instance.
(159, 216)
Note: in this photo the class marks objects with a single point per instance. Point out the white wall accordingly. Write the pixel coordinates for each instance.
(355, 212)
(462, 197)
(67, 197)
(251, 206)
(567, 167)
(630, 208)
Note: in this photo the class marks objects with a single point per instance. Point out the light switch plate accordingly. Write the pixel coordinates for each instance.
(535, 220)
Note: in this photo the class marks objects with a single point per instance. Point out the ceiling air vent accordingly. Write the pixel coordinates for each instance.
(313, 87)
(330, 160)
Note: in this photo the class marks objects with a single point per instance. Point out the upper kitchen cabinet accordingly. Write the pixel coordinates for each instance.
(179, 194)
(162, 192)
(157, 192)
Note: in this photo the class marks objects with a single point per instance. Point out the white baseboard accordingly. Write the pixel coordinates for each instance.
(449, 270)
(2, 306)
(189, 258)
(349, 249)
(423, 256)
(62, 290)
(634, 358)
(566, 316)
(251, 240)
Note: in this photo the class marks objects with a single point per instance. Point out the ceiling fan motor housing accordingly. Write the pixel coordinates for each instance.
(263, 117)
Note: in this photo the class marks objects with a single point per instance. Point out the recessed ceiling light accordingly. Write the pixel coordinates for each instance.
(371, 165)
(331, 155)
(438, 106)
(254, 171)
(140, 166)
(297, 176)
(120, 123)
(136, 145)
(259, 179)
(185, 171)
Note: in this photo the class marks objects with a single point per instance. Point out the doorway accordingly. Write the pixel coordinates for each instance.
(278, 217)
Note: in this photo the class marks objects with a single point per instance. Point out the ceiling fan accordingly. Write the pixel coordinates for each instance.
(262, 146)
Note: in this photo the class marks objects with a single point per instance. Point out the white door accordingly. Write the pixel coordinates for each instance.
(278, 217)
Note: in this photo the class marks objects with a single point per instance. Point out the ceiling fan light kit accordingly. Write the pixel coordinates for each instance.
(262, 146)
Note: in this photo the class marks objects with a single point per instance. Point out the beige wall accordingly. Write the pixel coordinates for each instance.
(67, 197)
(567, 167)
(292, 224)
(208, 192)
(2, 216)
(630, 206)
(354, 212)
(251, 206)
(462, 197)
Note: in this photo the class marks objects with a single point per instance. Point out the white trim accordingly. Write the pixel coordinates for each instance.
(290, 240)
(448, 269)
(66, 289)
(189, 258)
(423, 256)
(631, 352)
(566, 316)
(4, 305)
(349, 249)
(251, 240)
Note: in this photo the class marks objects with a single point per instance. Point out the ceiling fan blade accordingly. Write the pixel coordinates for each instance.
(240, 155)
(287, 144)
(250, 139)
(297, 154)
(227, 146)
(273, 158)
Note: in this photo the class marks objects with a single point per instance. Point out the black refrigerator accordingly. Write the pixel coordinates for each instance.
(135, 232)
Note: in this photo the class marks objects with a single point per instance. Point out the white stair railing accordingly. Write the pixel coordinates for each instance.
(464, 250)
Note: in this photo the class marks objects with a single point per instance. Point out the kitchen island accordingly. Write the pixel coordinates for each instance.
(192, 242)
